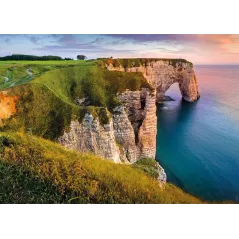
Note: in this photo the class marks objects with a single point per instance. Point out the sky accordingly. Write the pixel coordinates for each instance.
(199, 49)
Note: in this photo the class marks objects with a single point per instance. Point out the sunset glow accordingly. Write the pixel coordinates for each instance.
(200, 49)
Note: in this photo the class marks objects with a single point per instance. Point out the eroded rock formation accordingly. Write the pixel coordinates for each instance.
(162, 74)
(141, 111)
(90, 136)
(131, 132)
(129, 135)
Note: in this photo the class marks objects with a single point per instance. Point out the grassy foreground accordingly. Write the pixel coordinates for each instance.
(34, 170)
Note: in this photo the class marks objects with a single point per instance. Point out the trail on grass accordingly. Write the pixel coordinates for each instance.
(28, 72)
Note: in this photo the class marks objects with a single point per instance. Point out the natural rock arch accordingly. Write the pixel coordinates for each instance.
(162, 74)
(187, 84)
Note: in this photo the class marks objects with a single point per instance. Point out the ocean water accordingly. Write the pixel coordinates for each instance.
(198, 143)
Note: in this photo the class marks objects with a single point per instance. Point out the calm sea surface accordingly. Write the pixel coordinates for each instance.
(198, 144)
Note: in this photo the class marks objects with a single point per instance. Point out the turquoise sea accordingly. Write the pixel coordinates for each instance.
(198, 143)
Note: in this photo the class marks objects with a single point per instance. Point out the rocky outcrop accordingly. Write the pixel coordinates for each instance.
(91, 136)
(162, 74)
(129, 135)
(141, 110)
(7, 106)
(124, 135)
(131, 132)
(162, 175)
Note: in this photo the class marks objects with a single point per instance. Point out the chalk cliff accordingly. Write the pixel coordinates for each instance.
(91, 136)
(129, 135)
(162, 74)
(132, 128)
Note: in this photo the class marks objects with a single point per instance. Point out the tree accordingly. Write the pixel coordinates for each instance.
(20, 57)
(81, 57)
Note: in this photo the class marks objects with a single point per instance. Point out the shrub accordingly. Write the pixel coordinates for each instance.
(148, 165)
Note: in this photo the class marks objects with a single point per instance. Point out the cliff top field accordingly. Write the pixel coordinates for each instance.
(14, 73)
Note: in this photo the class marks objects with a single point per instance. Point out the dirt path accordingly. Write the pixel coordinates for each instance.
(29, 73)
(6, 79)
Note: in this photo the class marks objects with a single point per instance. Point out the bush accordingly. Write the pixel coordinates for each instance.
(149, 166)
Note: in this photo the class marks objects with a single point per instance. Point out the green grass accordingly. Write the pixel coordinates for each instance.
(73, 62)
(33, 170)
(101, 86)
(148, 165)
(136, 62)
(41, 111)
(16, 71)
(47, 104)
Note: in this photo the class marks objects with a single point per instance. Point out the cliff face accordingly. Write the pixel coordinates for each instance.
(129, 135)
(90, 136)
(131, 132)
(162, 74)
(141, 111)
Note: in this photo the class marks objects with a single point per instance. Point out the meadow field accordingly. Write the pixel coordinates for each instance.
(14, 73)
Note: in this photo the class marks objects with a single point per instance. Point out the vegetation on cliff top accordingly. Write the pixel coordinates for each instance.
(33, 170)
(47, 104)
(136, 62)
(148, 165)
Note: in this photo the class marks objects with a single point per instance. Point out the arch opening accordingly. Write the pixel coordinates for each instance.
(170, 92)
(174, 92)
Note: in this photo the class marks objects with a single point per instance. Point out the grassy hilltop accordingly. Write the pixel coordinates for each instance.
(37, 170)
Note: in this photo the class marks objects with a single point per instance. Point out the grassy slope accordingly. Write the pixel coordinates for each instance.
(16, 71)
(33, 170)
(53, 95)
